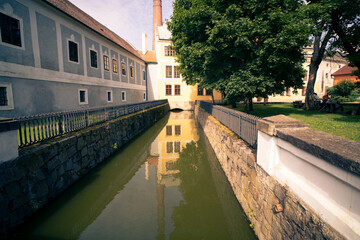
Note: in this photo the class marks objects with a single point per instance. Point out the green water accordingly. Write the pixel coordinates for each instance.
(166, 184)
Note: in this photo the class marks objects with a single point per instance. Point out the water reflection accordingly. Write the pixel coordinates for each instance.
(166, 184)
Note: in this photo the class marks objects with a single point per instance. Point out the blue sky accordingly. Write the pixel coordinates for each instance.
(127, 18)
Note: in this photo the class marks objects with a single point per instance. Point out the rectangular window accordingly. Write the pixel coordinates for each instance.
(132, 71)
(115, 67)
(93, 58)
(83, 96)
(177, 130)
(109, 96)
(177, 90)
(168, 90)
(106, 63)
(73, 51)
(168, 73)
(200, 91)
(6, 97)
(144, 76)
(123, 69)
(177, 146)
(168, 130)
(303, 91)
(123, 96)
(170, 165)
(169, 52)
(10, 30)
(176, 72)
(169, 147)
(144, 96)
(288, 92)
(3, 97)
(208, 92)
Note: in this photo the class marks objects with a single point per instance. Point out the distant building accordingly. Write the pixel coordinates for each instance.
(328, 66)
(55, 57)
(165, 81)
(344, 73)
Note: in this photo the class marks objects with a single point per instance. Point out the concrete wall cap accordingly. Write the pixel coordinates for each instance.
(269, 124)
(7, 124)
(338, 151)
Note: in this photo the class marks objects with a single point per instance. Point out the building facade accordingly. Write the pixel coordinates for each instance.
(54, 57)
(165, 81)
(345, 74)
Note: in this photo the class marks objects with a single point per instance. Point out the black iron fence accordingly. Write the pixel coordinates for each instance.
(244, 125)
(37, 128)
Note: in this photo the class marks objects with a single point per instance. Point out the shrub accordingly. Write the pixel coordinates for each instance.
(345, 91)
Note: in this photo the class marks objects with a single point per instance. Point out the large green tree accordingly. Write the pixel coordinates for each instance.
(243, 48)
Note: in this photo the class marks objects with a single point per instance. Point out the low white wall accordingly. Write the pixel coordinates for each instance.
(332, 192)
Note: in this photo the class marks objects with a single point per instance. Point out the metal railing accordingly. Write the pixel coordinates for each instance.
(34, 129)
(244, 125)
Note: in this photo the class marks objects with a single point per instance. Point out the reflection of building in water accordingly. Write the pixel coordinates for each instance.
(165, 150)
(164, 153)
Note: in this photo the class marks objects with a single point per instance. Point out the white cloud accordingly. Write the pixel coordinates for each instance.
(127, 18)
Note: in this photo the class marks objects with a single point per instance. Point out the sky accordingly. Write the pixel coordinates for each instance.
(127, 18)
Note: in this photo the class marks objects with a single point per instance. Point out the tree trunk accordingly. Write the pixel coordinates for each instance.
(251, 108)
(212, 97)
(246, 107)
(233, 104)
(317, 56)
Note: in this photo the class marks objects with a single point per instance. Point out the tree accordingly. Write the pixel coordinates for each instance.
(336, 25)
(244, 49)
(345, 20)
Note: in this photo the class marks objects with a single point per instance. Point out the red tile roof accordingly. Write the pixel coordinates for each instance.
(345, 70)
(150, 56)
(70, 9)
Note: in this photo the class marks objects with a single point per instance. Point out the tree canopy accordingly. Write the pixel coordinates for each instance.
(243, 48)
(335, 28)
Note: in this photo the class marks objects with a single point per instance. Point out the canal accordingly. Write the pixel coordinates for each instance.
(166, 184)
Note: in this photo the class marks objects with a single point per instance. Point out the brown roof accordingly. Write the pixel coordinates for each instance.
(70, 9)
(345, 70)
(150, 56)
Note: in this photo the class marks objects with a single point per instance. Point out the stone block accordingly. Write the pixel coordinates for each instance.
(40, 175)
(41, 189)
(84, 152)
(71, 151)
(80, 143)
(61, 170)
(54, 163)
(13, 190)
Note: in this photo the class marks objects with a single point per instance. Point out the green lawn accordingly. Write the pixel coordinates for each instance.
(339, 124)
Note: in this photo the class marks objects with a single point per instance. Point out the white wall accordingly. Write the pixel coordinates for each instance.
(332, 192)
(8, 145)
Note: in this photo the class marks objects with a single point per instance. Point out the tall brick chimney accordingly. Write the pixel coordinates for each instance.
(157, 18)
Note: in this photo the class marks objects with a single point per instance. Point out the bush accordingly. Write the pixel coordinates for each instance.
(345, 91)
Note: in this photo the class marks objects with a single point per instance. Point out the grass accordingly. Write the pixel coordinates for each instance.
(339, 124)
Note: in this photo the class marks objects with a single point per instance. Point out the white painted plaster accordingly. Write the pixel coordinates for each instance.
(34, 38)
(332, 192)
(27, 72)
(8, 145)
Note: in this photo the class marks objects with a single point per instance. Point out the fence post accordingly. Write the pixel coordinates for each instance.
(61, 130)
(9, 148)
(86, 118)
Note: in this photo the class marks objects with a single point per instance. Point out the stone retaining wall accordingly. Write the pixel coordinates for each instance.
(257, 192)
(43, 171)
